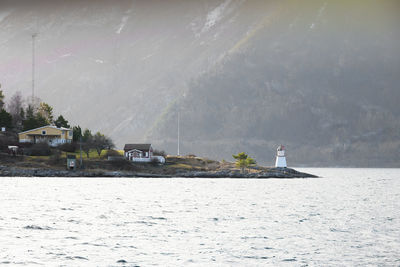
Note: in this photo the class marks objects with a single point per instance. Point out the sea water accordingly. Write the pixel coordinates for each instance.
(348, 217)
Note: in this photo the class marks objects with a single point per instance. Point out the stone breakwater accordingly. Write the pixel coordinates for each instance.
(37, 172)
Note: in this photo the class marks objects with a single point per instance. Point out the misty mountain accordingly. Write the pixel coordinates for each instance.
(318, 76)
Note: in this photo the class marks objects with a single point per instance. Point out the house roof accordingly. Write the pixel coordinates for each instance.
(48, 135)
(47, 126)
(142, 147)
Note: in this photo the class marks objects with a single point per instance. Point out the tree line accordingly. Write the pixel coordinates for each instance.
(19, 115)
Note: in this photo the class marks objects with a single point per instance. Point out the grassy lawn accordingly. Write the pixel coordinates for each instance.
(92, 155)
(182, 166)
(37, 157)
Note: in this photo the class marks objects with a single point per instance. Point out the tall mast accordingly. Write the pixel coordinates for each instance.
(179, 130)
(33, 66)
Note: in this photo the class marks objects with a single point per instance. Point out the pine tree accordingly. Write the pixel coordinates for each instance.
(5, 119)
(243, 161)
(76, 133)
(61, 122)
(46, 111)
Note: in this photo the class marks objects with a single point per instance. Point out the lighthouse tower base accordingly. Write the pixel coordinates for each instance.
(280, 162)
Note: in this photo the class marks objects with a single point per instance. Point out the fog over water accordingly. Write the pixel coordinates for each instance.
(246, 75)
(348, 217)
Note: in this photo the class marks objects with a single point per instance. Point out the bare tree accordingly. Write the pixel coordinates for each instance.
(15, 107)
(100, 142)
(34, 103)
(87, 142)
(1, 99)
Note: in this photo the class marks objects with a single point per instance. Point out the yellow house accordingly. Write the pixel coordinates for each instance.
(50, 134)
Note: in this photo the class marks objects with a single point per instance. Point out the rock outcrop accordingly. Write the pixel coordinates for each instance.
(37, 172)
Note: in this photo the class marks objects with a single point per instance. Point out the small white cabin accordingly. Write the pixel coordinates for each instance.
(141, 153)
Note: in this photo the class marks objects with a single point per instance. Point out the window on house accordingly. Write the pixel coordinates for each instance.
(44, 132)
(70, 133)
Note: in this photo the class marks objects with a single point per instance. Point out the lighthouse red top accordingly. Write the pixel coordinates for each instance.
(280, 151)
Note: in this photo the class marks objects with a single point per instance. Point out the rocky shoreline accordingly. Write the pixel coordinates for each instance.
(270, 173)
(41, 172)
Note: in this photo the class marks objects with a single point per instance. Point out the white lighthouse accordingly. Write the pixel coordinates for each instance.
(280, 157)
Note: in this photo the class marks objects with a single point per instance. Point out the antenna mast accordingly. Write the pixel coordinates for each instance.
(33, 66)
(179, 118)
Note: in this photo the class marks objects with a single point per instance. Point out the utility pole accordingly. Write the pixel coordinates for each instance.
(179, 122)
(80, 149)
(33, 66)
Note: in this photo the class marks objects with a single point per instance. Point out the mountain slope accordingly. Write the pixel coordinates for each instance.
(114, 66)
(326, 88)
(319, 76)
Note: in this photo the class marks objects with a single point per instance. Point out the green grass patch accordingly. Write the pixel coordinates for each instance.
(38, 157)
(181, 166)
(92, 154)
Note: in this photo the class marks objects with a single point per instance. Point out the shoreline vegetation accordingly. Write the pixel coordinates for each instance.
(42, 160)
(175, 166)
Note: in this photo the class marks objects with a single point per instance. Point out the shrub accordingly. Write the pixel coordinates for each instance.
(7, 140)
(155, 161)
(121, 164)
(159, 153)
(68, 147)
(39, 149)
(112, 153)
(56, 157)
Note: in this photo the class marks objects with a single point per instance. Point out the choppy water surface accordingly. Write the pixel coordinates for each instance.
(349, 217)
